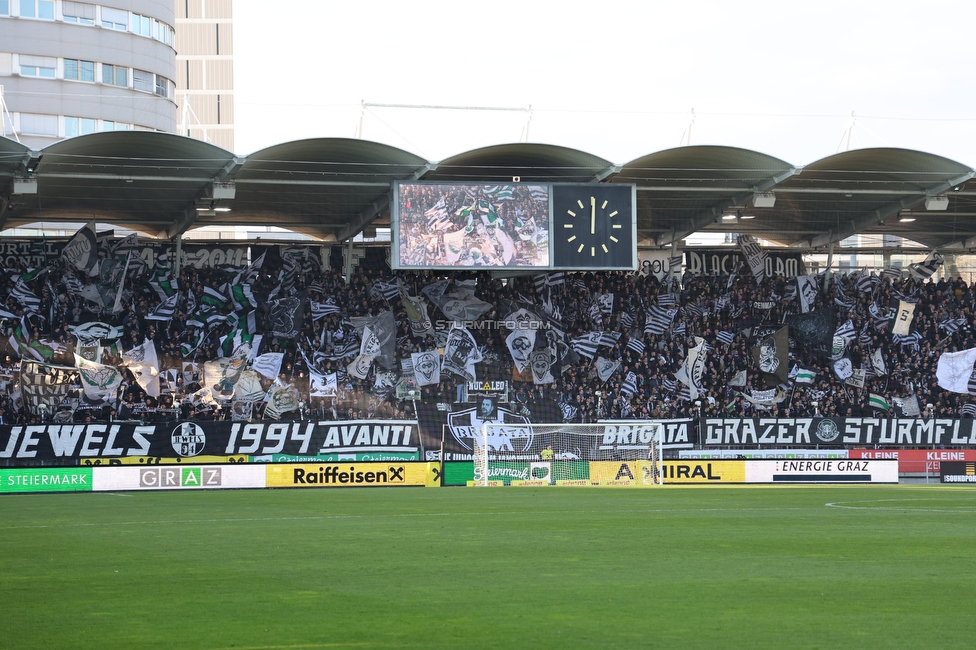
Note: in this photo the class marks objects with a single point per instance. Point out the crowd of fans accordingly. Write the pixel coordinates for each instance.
(944, 321)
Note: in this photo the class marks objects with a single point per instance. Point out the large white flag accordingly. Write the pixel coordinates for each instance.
(99, 381)
(520, 343)
(955, 371)
(143, 363)
(323, 385)
(877, 362)
(807, 290)
(605, 368)
(427, 367)
(904, 317)
(268, 364)
(693, 368)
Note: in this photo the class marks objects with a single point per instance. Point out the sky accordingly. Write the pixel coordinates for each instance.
(618, 80)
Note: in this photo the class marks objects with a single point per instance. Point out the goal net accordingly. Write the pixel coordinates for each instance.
(568, 454)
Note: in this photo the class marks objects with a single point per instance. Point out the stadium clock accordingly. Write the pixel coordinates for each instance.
(593, 226)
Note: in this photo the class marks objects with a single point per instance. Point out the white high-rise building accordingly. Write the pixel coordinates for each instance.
(71, 68)
(205, 70)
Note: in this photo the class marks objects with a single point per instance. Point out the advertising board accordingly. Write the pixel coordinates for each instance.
(960, 473)
(821, 471)
(46, 479)
(916, 461)
(170, 477)
(327, 475)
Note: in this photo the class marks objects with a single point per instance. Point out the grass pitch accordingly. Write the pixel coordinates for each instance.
(807, 567)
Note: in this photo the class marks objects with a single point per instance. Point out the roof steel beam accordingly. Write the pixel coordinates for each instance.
(606, 173)
(874, 217)
(708, 216)
(379, 204)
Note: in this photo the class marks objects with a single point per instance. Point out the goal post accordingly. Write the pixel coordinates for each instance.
(568, 454)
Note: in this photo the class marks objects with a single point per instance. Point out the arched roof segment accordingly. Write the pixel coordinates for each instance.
(327, 188)
(683, 190)
(869, 191)
(527, 161)
(330, 188)
(133, 179)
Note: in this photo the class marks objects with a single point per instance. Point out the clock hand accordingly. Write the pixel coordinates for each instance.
(592, 215)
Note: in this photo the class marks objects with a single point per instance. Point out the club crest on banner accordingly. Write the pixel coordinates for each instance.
(188, 439)
(513, 438)
(426, 367)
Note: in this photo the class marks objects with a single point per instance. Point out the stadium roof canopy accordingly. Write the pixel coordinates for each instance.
(331, 188)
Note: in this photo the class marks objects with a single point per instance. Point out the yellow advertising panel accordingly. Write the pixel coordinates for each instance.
(433, 476)
(390, 474)
(703, 471)
(621, 473)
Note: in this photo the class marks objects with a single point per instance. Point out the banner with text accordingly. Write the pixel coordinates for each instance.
(314, 440)
(835, 432)
(723, 261)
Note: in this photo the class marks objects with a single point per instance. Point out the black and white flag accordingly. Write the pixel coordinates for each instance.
(667, 300)
(726, 337)
(925, 269)
(25, 297)
(808, 291)
(426, 367)
(892, 273)
(165, 310)
(658, 320)
(877, 363)
(460, 354)
(846, 330)
(952, 325)
(843, 368)
(383, 328)
(323, 309)
(955, 371)
(520, 344)
(755, 256)
(285, 316)
(693, 367)
(629, 386)
(772, 354)
(384, 290)
(322, 384)
(635, 344)
(81, 251)
(544, 280)
(587, 344)
(605, 368)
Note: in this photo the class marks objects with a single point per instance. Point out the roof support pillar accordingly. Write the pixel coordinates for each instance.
(347, 263)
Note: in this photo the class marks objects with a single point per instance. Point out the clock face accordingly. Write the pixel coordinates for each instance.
(593, 226)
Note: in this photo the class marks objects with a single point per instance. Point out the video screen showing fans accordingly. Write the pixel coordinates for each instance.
(454, 225)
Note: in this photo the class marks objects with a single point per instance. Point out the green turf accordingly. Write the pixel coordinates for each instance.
(503, 567)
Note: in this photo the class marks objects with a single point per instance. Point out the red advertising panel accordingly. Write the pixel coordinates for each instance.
(916, 460)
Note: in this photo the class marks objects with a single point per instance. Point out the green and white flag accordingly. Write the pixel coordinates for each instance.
(804, 376)
(100, 382)
(876, 401)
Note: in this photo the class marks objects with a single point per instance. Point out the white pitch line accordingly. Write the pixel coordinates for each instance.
(844, 505)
